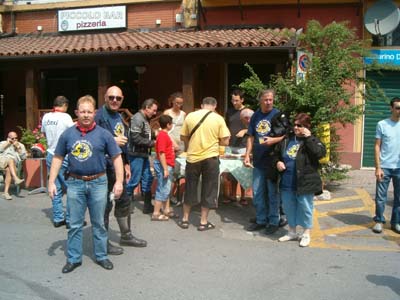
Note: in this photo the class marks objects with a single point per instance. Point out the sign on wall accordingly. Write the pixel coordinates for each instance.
(93, 18)
(303, 61)
(384, 56)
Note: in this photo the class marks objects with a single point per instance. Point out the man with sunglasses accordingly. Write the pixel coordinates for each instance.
(387, 167)
(12, 152)
(110, 119)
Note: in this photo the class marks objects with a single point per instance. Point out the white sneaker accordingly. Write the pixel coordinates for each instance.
(7, 196)
(291, 236)
(18, 180)
(305, 240)
(377, 228)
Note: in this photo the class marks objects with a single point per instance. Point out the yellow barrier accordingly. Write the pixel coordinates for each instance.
(325, 136)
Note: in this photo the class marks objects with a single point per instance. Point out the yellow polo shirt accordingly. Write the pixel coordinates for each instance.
(205, 141)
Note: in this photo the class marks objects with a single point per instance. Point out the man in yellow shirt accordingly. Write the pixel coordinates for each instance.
(202, 143)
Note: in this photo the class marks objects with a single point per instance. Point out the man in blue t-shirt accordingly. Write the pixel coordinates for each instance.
(259, 143)
(387, 167)
(86, 146)
(110, 119)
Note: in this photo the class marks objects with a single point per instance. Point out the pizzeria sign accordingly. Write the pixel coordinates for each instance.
(93, 18)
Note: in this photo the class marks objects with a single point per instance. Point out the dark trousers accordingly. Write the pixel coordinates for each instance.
(121, 205)
(208, 170)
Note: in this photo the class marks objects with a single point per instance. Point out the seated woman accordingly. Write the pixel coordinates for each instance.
(8, 165)
(297, 158)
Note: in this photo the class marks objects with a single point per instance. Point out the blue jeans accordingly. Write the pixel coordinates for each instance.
(93, 195)
(298, 208)
(58, 208)
(163, 184)
(381, 196)
(140, 172)
(265, 198)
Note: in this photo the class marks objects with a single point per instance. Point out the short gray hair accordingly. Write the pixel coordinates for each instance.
(246, 112)
(209, 101)
(266, 91)
(148, 103)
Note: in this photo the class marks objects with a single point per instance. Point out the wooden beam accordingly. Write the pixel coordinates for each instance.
(187, 88)
(31, 99)
(103, 83)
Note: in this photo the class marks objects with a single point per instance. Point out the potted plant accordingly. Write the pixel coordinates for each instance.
(36, 145)
(33, 138)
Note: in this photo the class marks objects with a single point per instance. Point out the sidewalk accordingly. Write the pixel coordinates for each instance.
(226, 263)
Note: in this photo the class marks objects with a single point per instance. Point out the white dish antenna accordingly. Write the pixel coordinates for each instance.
(382, 18)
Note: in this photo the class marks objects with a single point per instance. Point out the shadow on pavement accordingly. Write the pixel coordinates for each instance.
(353, 219)
(48, 212)
(388, 281)
(87, 245)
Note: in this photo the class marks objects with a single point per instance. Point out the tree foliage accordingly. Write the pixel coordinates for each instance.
(331, 82)
(334, 72)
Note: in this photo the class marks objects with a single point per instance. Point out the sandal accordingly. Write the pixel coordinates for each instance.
(159, 217)
(171, 214)
(205, 227)
(243, 201)
(183, 224)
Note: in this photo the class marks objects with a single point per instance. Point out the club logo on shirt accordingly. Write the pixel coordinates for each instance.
(263, 127)
(82, 150)
(119, 129)
(292, 151)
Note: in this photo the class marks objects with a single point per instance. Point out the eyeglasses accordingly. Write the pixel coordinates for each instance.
(118, 98)
(13, 138)
(298, 125)
(397, 107)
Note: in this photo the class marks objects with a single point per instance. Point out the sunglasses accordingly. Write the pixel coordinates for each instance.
(397, 107)
(298, 125)
(14, 138)
(118, 98)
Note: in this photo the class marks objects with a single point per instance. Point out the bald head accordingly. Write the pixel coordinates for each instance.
(113, 98)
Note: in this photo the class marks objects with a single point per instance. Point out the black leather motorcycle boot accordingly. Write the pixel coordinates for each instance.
(148, 208)
(127, 238)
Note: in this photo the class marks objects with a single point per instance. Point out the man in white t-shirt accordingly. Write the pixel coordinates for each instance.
(387, 167)
(53, 125)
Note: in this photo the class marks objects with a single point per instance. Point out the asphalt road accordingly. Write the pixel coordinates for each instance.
(344, 261)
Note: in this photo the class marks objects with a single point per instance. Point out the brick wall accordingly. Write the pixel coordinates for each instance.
(284, 15)
(139, 16)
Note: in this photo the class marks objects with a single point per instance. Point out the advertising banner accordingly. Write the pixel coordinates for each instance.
(93, 18)
(384, 56)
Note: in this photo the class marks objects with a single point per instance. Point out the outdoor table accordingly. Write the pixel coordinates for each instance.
(228, 164)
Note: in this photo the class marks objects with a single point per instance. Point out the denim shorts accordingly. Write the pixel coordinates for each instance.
(163, 184)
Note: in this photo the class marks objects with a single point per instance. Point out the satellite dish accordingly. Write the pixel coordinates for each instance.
(382, 18)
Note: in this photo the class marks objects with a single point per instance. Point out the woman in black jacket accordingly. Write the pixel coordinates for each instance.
(296, 157)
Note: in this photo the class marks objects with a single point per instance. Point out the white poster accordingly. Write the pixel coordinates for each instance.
(93, 18)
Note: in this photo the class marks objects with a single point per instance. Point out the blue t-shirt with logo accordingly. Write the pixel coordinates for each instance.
(260, 128)
(112, 122)
(87, 153)
(288, 178)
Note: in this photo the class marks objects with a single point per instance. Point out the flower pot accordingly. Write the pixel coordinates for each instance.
(32, 170)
